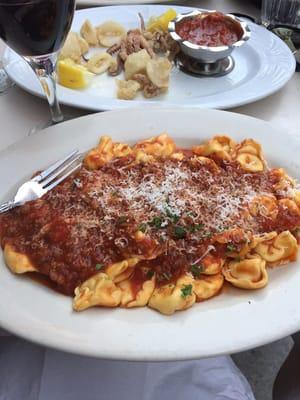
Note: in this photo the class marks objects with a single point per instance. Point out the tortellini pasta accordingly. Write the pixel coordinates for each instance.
(265, 206)
(264, 237)
(221, 146)
(284, 185)
(17, 262)
(105, 152)
(116, 271)
(178, 156)
(238, 242)
(211, 265)
(131, 299)
(99, 290)
(247, 274)
(142, 157)
(249, 156)
(173, 297)
(207, 162)
(279, 250)
(161, 146)
(208, 286)
(290, 206)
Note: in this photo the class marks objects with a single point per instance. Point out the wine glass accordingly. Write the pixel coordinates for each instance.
(282, 17)
(36, 30)
(280, 12)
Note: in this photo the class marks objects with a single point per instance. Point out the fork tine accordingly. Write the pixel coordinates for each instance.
(4, 208)
(59, 171)
(8, 206)
(53, 167)
(61, 178)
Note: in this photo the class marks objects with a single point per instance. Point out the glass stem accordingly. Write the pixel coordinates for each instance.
(44, 68)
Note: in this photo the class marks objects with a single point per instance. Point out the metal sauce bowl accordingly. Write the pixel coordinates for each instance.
(207, 54)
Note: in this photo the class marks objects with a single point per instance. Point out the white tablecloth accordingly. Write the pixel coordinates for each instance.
(30, 372)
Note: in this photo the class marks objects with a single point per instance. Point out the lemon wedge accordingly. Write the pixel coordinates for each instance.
(72, 75)
(162, 21)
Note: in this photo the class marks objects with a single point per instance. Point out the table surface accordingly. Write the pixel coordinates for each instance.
(20, 111)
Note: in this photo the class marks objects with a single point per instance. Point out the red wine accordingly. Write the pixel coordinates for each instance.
(35, 27)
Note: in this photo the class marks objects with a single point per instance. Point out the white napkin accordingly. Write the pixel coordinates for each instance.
(31, 372)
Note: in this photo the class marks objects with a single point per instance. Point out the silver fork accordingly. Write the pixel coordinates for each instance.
(45, 181)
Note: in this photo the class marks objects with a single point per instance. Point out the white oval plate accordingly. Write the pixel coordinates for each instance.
(233, 321)
(263, 65)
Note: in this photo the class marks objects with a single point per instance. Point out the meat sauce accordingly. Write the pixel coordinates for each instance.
(214, 29)
(182, 208)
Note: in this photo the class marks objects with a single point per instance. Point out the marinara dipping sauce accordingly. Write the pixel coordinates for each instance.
(213, 29)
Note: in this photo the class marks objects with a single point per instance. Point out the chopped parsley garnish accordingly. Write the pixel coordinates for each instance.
(196, 227)
(186, 291)
(150, 274)
(122, 219)
(196, 270)
(156, 222)
(231, 247)
(179, 232)
(99, 266)
(142, 227)
(175, 218)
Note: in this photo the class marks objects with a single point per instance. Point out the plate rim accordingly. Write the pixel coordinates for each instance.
(85, 349)
(70, 99)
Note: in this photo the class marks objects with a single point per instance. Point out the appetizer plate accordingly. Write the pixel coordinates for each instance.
(262, 66)
(233, 321)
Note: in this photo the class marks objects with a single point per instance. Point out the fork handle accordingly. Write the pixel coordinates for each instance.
(8, 206)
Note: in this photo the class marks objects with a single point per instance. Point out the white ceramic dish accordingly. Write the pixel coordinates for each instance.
(263, 65)
(233, 321)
